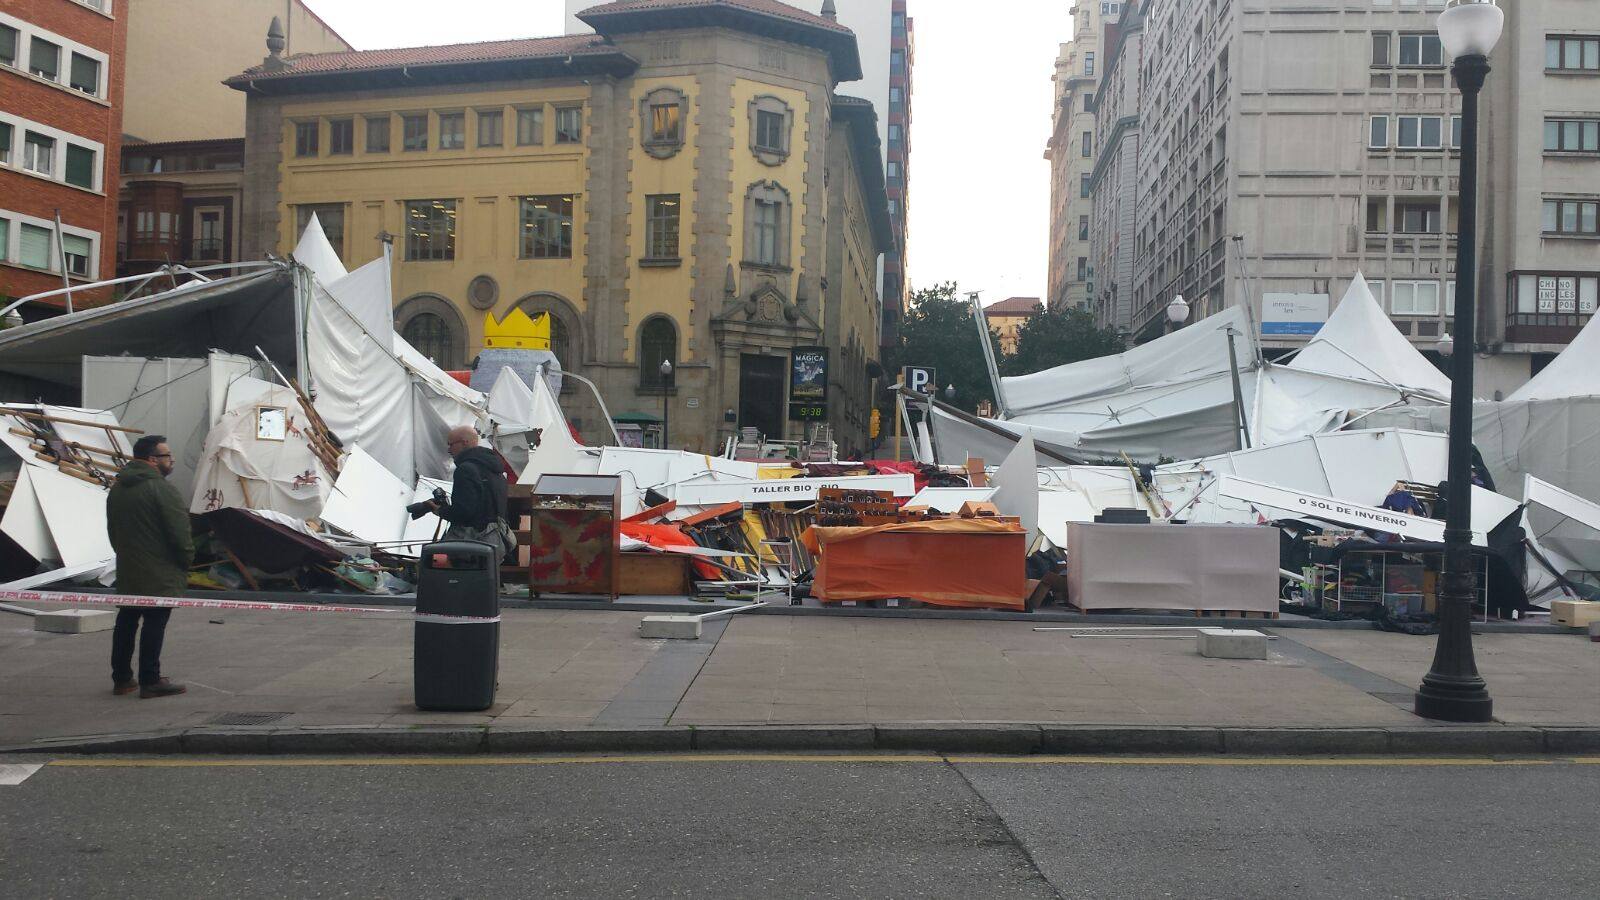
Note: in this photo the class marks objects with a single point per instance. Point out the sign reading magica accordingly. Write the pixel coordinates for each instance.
(808, 383)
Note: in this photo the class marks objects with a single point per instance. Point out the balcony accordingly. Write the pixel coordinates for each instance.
(207, 250)
(1544, 328)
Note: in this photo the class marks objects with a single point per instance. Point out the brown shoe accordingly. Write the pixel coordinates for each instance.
(162, 688)
(124, 687)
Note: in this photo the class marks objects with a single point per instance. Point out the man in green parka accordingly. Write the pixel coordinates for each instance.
(148, 524)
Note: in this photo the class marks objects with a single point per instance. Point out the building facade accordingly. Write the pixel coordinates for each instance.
(1071, 152)
(1113, 185)
(179, 204)
(1007, 317)
(662, 190)
(1335, 149)
(60, 134)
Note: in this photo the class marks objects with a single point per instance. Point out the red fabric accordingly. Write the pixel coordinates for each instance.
(464, 376)
(668, 534)
(890, 467)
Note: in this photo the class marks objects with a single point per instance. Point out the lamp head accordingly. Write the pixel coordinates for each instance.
(949, 391)
(1446, 345)
(666, 368)
(1178, 310)
(1470, 27)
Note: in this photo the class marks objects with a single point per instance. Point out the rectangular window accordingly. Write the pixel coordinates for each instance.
(1083, 228)
(44, 59)
(1571, 217)
(1378, 135)
(5, 142)
(766, 232)
(769, 130)
(8, 45)
(1417, 218)
(1088, 102)
(33, 247)
(896, 95)
(5, 240)
(1377, 214)
(897, 60)
(208, 236)
(430, 229)
(1421, 50)
(1088, 144)
(530, 127)
(1083, 185)
(661, 225)
(305, 138)
(665, 122)
(1455, 131)
(1572, 135)
(330, 216)
(1088, 63)
(452, 131)
(894, 134)
(1380, 48)
(1415, 298)
(1420, 132)
(76, 249)
(378, 134)
(546, 227)
(569, 125)
(1572, 54)
(491, 128)
(39, 153)
(341, 136)
(1083, 268)
(80, 166)
(892, 170)
(85, 74)
(414, 132)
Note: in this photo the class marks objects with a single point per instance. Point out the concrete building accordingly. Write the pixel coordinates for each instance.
(686, 186)
(1326, 136)
(1113, 183)
(180, 203)
(897, 169)
(60, 132)
(1008, 316)
(1071, 151)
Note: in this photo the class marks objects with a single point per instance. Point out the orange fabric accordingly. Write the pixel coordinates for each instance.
(668, 534)
(974, 563)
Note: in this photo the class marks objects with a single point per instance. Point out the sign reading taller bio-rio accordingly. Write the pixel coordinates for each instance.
(920, 379)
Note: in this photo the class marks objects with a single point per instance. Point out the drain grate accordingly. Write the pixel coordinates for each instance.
(247, 718)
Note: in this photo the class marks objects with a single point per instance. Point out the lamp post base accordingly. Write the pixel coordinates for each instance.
(1453, 699)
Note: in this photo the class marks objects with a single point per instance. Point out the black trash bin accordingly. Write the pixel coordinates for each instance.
(454, 663)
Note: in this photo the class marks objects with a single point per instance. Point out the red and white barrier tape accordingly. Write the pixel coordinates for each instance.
(392, 612)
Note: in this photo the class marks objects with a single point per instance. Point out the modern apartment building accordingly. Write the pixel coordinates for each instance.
(1326, 136)
(684, 186)
(60, 131)
(1071, 151)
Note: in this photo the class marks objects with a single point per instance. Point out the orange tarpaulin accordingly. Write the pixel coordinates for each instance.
(943, 562)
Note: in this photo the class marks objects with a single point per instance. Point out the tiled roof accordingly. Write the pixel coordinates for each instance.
(442, 54)
(764, 7)
(1013, 306)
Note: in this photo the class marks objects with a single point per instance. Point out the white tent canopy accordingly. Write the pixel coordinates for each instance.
(1359, 341)
(1574, 373)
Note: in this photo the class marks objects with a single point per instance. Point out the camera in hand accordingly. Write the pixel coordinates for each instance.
(422, 508)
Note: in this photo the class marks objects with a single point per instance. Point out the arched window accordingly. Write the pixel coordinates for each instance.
(566, 328)
(431, 335)
(658, 341)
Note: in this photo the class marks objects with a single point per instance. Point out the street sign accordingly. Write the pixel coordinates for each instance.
(920, 379)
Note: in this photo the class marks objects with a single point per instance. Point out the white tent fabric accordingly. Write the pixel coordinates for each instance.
(239, 469)
(511, 401)
(1189, 353)
(558, 452)
(316, 253)
(1574, 373)
(1359, 341)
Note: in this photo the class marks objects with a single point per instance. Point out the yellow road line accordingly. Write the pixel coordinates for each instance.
(289, 761)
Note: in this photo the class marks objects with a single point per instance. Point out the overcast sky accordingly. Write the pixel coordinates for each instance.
(980, 187)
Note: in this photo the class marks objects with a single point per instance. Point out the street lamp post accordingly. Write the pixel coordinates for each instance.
(666, 421)
(1453, 690)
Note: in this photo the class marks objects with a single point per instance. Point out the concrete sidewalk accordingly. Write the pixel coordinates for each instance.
(278, 682)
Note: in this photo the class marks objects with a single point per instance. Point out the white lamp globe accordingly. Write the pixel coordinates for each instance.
(1446, 344)
(1178, 310)
(1470, 27)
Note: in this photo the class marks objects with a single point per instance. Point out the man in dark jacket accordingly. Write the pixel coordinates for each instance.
(477, 504)
(148, 523)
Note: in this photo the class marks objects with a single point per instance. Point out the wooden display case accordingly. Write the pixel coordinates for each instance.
(574, 535)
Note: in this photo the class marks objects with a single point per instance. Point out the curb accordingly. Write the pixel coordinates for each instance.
(960, 738)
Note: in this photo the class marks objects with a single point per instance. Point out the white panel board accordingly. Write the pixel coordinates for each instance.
(75, 511)
(949, 499)
(24, 520)
(1016, 484)
(784, 490)
(368, 501)
(1312, 507)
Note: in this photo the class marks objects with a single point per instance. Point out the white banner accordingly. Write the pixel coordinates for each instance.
(1564, 502)
(784, 490)
(1327, 509)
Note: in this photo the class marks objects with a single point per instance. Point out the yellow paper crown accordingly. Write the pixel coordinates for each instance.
(517, 330)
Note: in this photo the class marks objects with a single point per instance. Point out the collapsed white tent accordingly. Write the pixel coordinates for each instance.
(1573, 373)
(245, 467)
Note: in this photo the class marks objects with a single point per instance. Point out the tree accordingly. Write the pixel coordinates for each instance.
(1056, 337)
(938, 331)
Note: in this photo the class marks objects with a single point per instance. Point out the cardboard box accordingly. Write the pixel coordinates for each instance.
(1574, 613)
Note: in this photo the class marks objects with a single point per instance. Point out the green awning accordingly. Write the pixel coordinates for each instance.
(635, 418)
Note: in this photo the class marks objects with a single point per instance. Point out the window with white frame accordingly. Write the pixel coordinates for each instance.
(1419, 132)
(6, 136)
(1421, 50)
(39, 153)
(1414, 298)
(84, 75)
(1417, 217)
(44, 59)
(52, 57)
(9, 38)
(1378, 133)
(33, 246)
(75, 250)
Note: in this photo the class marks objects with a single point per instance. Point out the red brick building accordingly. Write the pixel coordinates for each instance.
(60, 139)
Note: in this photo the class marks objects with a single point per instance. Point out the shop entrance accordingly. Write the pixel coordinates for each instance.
(761, 394)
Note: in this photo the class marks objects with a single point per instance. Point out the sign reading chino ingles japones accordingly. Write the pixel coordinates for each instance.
(808, 383)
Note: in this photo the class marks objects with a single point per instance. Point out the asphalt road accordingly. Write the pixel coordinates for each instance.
(792, 827)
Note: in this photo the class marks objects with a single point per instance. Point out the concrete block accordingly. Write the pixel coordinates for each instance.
(1574, 613)
(673, 628)
(961, 738)
(75, 621)
(1151, 739)
(590, 740)
(236, 740)
(1232, 643)
(416, 739)
(1304, 741)
(784, 737)
(1466, 740)
(1576, 739)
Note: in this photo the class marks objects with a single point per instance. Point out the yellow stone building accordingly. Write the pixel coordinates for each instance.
(682, 186)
